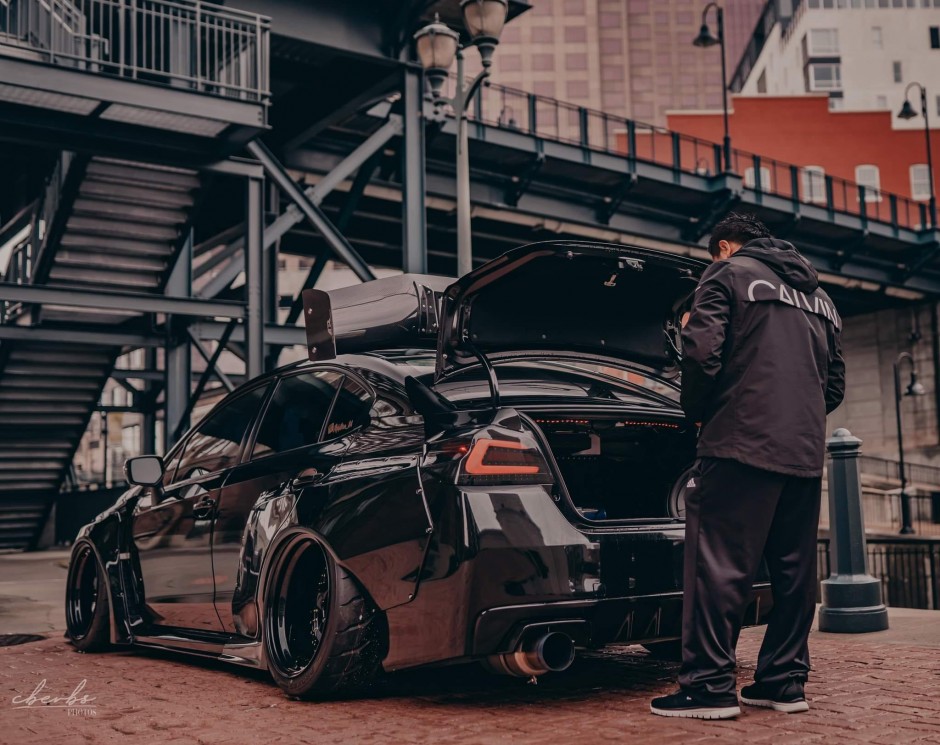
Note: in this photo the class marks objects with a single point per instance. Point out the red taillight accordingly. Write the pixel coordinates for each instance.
(503, 461)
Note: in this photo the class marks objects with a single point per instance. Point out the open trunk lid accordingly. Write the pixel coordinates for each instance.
(595, 300)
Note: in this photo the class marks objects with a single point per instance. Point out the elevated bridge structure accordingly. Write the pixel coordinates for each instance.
(160, 155)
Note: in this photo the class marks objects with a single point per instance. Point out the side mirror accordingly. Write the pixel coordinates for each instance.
(145, 470)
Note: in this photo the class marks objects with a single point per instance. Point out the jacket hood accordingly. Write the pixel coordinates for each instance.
(785, 261)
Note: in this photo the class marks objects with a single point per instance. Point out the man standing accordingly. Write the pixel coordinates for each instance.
(762, 367)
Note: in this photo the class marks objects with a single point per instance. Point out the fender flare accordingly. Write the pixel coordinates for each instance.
(102, 567)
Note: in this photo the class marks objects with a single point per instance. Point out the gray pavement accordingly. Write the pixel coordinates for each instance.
(880, 688)
(32, 592)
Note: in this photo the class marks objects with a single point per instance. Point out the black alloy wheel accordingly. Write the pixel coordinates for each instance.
(322, 634)
(86, 602)
(297, 619)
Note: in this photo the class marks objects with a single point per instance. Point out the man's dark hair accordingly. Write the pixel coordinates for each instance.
(737, 227)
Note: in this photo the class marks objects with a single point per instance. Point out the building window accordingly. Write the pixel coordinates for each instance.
(814, 184)
(540, 62)
(870, 177)
(881, 102)
(823, 41)
(920, 181)
(750, 183)
(877, 40)
(575, 33)
(130, 439)
(543, 34)
(825, 77)
(762, 82)
(935, 37)
(898, 77)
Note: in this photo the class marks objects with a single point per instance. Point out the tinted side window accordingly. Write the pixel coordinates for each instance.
(351, 409)
(170, 464)
(216, 442)
(390, 400)
(296, 413)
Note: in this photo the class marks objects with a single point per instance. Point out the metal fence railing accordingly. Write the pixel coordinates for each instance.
(812, 186)
(909, 570)
(887, 469)
(186, 43)
(549, 118)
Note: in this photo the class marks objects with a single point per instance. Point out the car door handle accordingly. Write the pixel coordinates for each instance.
(204, 508)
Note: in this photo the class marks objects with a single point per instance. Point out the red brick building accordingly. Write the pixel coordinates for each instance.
(860, 146)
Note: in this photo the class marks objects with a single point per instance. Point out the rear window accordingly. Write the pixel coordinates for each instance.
(297, 412)
(350, 411)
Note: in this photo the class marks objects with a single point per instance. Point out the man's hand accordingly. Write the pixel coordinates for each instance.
(703, 338)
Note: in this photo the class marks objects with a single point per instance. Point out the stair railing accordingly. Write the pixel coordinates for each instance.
(182, 43)
(26, 255)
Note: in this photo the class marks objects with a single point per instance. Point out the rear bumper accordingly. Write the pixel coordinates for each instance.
(594, 623)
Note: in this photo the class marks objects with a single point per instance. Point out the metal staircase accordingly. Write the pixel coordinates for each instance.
(115, 226)
(128, 84)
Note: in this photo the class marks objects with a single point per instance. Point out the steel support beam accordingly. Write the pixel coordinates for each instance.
(148, 424)
(211, 360)
(314, 215)
(927, 254)
(414, 231)
(136, 302)
(178, 367)
(357, 103)
(212, 368)
(271, 292)
(80, 334)
(242, 167)
(315, 194)
(283, 336)
(150, 374)
(254, 277)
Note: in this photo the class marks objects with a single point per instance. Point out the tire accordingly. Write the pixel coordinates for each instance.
(668, 651)
(87, 613)
(322, 634)
(675, 502)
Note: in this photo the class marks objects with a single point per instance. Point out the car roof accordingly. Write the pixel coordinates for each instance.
(396, 364)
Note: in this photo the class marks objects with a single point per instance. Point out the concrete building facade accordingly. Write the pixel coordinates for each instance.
(861, 53)
(631, 58)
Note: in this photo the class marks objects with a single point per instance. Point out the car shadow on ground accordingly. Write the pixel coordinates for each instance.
(625, 671)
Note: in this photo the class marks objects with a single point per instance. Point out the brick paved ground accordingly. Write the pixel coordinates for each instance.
(873, 689)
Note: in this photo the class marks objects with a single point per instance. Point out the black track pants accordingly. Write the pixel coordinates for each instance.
(735, 514)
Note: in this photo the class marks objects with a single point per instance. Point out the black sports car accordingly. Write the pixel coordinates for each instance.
(490, 470)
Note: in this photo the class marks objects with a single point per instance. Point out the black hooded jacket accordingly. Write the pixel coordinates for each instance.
(762, 360)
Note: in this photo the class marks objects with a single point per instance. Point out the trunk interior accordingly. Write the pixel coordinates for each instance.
(621, 468)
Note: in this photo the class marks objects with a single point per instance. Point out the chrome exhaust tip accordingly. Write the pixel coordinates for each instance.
(551, 652)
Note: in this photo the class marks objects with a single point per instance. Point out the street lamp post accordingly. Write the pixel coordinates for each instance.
(706, 39)
(437, 46)
(914, 388)
(907, 112)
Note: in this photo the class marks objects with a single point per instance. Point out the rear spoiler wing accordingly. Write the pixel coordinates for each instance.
(399, 311)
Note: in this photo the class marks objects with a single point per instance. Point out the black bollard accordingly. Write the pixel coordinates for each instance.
(851, 597)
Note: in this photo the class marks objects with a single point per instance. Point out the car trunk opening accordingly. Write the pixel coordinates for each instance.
(599, 301)
(619, 467)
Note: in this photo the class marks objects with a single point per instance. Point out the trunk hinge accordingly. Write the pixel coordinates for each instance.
(490, 372)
